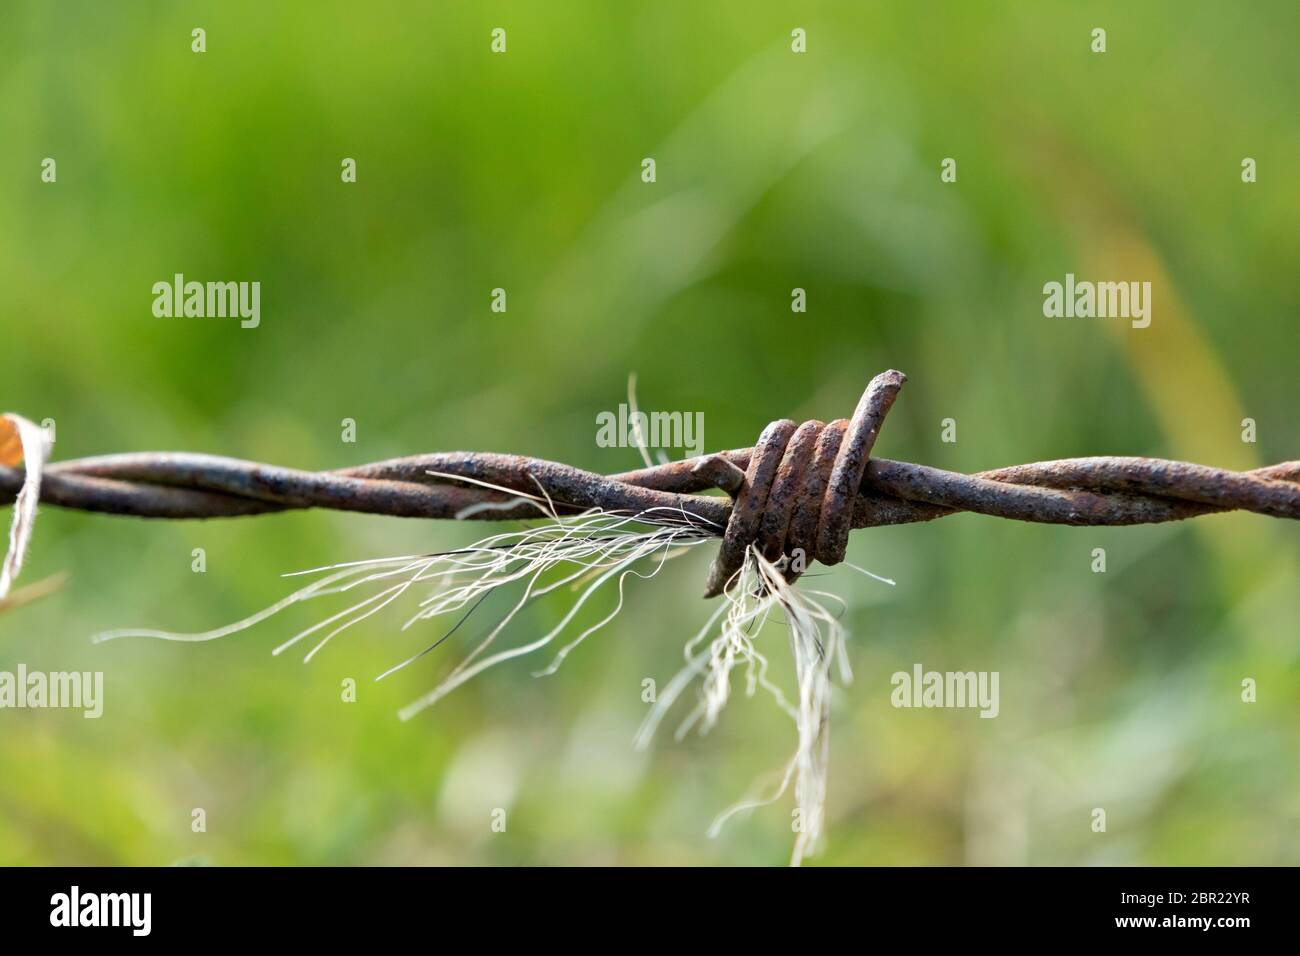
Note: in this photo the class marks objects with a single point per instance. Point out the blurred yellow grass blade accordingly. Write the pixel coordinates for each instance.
(33, 592)
(1186, 385)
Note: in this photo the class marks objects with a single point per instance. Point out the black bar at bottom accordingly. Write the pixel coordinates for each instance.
(440, 906)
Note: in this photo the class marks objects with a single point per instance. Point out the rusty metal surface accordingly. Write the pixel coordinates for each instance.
(851, 462)
(786, 490)
(750, 502)
(802, 535)
(803, 487)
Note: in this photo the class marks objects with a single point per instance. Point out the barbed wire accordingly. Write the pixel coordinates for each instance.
(802, 488)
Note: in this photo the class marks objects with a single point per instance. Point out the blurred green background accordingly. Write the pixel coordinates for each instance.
(775, 170)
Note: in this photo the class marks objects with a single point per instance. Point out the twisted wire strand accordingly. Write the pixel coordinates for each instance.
(801, 487)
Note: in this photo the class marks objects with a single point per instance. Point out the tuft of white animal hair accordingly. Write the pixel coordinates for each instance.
(584, 553)
(817, 645)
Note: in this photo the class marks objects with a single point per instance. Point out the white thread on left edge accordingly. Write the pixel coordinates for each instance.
(36, 449)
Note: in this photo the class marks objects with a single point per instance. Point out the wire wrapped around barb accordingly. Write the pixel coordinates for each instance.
(801, 488)
(812, 472)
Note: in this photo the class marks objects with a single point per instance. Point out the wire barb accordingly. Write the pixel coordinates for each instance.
(801, 488)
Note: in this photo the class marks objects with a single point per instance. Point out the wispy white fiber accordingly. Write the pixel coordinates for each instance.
(36, 449)
(583, 553)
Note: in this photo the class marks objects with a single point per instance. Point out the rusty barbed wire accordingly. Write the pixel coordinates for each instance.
(801, 487)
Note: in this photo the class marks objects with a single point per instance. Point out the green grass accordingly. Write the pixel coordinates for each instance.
(775, 171)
